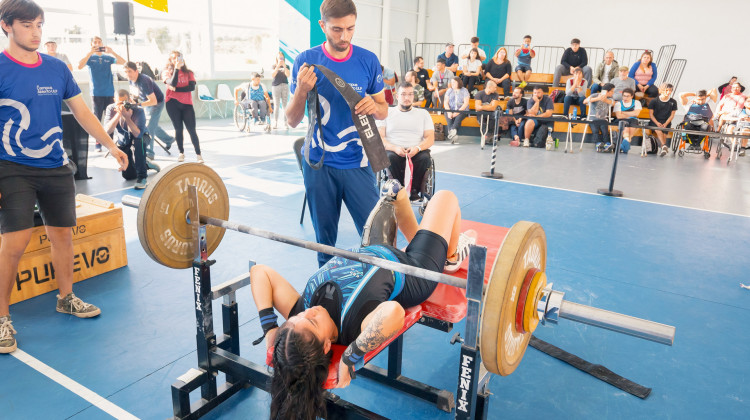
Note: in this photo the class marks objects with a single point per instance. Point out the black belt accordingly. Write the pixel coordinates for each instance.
(365, 124)
(598, 371)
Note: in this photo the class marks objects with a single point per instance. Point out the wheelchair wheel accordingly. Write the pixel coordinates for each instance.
(240, 117)
(681, 153)
(428, 183)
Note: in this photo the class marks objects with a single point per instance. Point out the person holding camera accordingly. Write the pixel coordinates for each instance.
(126, 123)
(99, 61)
(151, 99)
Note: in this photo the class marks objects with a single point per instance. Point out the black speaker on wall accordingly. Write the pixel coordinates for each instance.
(122, 11)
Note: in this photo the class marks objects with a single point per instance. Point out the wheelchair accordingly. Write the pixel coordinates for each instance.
(426, 190)
(732, 143)
(243, 117)
(692, 143)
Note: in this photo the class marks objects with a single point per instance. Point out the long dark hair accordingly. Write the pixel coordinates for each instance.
(300, 370)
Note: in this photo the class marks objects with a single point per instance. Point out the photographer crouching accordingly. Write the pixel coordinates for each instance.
(126, 123)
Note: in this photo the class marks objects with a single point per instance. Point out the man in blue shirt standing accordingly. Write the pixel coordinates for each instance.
(151, 100)
(345, 175)
(33, 163)
(100, 70)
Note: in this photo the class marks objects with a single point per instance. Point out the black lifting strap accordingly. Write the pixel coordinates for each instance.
(365, 124)
(598, 371)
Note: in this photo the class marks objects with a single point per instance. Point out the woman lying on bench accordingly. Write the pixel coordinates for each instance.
(351, 303)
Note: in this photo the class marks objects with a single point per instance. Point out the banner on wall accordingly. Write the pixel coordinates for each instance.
(160, 5)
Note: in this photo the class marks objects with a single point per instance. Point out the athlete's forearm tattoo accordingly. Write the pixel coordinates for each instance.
(373, 336)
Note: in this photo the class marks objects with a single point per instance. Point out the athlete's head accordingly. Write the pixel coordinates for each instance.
(405, 95)
(701, 97)
(301, 357)
(131, 71)
(255, 79)
(21, 22)
(337, 20)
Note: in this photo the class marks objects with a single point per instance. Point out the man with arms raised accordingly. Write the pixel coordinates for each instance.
(408, 132)
(345, 175)
(33, 165)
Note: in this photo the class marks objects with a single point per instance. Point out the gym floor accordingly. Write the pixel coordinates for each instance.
(672, 251)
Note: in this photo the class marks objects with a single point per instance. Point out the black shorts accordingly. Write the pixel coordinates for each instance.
(427, 250)
(21, 187)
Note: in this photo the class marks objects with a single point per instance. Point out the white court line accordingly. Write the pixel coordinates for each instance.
(599, 195)
(73, 386)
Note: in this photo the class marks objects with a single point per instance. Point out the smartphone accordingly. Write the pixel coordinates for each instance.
(102, 49)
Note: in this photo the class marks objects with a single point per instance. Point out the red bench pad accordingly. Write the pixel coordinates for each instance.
(448, 303)
(411, 317)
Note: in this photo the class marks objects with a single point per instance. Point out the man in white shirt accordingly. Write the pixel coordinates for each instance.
(408, 132)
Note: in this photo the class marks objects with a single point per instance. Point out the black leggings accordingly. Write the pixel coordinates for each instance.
(426, 250)
(181, 114)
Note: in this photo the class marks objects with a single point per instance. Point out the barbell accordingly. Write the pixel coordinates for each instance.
(516, 298)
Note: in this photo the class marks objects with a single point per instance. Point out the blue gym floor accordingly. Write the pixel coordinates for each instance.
(669, 264)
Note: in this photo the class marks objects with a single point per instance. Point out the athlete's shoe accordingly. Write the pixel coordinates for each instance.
(199, 159)
(7, 335)
(462, 250)
(390, 189)
(140, 184)
(181, 157)
(72, 305)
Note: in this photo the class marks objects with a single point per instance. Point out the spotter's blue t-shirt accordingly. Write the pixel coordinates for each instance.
(361, 70)
(100, 70)
(31, 98)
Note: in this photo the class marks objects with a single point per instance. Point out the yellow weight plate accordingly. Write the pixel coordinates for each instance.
(530, 315)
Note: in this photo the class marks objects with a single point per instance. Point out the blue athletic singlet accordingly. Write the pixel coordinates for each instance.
(361, 70)
(31, 98)
(630, 108)
(350, 290)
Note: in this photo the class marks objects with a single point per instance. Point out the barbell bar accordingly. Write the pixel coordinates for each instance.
(516, 298)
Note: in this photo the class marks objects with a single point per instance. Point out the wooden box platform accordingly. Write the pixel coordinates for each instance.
(98, 247)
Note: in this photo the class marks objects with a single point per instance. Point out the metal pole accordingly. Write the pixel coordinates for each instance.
(625, 324)
(611, 191)
(492, 173)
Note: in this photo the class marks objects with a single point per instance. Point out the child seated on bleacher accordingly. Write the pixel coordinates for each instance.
(661, 111)
(627, 109)
(523, 61)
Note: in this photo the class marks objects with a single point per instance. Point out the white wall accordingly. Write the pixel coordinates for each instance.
(369, 32)
(706, 34)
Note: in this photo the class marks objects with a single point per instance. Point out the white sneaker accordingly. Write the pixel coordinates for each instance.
(452, 133)
(462, 250)
(7, 335)
(181, 157)
(525, 142)
(199, 158)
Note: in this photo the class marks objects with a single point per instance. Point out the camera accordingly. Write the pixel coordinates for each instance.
(129, 105)
(102, 49)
